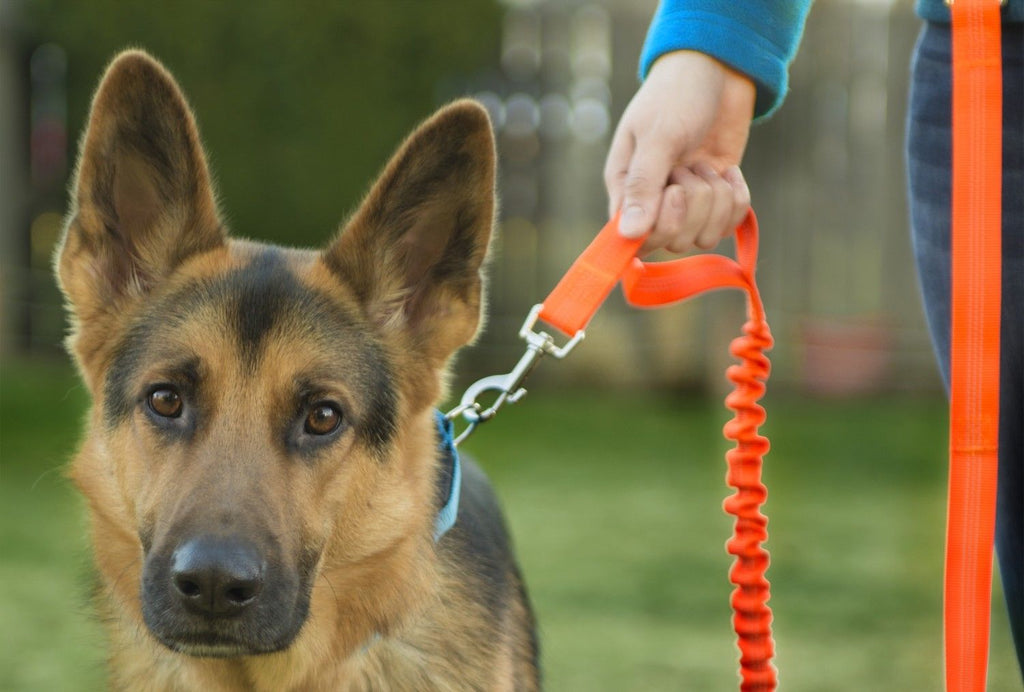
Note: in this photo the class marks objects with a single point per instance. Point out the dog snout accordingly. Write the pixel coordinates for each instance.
(214, 575)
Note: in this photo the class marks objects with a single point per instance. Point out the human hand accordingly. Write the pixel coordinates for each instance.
(673, 165)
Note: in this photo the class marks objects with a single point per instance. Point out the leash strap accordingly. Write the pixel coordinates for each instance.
(974, 391)
(569, 308)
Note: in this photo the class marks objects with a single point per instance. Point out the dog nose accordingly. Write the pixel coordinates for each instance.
(214, 575)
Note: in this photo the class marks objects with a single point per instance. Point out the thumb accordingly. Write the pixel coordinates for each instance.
(643, 188)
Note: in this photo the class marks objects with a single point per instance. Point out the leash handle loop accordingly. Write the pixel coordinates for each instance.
(610, 258)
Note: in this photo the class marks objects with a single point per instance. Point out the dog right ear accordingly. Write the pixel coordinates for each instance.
(142, 197)
(413, 252)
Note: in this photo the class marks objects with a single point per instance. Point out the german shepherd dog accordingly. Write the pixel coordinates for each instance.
(261, 460)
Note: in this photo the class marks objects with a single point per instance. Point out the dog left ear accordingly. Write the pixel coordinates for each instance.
(142, 198)
(414, 250)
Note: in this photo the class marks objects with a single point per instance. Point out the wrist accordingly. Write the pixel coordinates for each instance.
(688, 65)
(739, 93)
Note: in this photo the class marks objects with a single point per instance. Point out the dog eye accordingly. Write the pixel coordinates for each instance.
(165, 402)
(323, 419)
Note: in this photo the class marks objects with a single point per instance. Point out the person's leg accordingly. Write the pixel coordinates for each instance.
(1010, 508)
(929, 150)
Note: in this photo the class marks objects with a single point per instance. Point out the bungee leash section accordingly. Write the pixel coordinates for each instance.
(569, 308)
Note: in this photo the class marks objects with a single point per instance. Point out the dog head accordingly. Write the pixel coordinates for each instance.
(261, 430)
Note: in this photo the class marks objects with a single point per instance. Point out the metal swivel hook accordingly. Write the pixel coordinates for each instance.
(509, 386)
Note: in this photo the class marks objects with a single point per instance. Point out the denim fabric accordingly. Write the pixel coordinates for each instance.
(928, 166)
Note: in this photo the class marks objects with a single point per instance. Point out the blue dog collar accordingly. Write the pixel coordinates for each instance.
(449, 480)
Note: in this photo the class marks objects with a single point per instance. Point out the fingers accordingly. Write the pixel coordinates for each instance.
(683, 214)
(740, 200)
(721, 208)
(643, 188)
(680, 207)
(616, 166)
(699, 208)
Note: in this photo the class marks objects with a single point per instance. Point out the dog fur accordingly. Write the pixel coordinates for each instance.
(216, 365)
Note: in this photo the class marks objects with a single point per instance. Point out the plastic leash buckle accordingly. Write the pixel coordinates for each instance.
(509, 386)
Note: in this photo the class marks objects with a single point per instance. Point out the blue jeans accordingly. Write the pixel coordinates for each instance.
(928, 165)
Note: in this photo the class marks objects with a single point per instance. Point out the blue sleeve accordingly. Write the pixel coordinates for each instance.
(756, 37)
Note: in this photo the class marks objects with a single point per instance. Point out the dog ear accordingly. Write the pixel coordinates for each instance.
(142, 198)
(413, 252)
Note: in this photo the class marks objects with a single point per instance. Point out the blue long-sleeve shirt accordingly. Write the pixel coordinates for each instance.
(756, 37)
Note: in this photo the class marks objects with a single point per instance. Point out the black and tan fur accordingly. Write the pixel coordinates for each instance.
(215, 365)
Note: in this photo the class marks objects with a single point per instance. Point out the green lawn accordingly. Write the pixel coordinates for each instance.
(615, 502)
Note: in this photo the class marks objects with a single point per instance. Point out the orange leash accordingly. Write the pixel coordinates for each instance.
(974, 391)
(569, 308)
(974, 409)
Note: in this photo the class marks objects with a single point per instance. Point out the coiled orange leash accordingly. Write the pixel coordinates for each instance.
(571, 305)
(974, 352)
(607, 260)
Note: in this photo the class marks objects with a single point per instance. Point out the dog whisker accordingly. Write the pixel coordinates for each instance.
(48, 472)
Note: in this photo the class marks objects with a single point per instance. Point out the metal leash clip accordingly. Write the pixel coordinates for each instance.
(509, 386)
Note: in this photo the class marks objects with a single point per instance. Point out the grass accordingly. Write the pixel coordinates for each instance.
(48, 640)
(615, 503)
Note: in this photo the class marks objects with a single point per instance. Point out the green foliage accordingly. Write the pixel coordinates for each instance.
(615, 502)
(299, 103)
(615, 505)
(49, 640)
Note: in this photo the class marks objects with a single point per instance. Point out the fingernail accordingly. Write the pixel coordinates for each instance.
(631, 223)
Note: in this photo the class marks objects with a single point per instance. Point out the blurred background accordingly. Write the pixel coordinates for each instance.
(611, 469)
